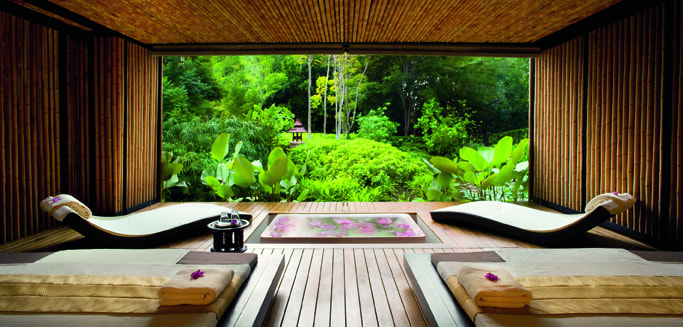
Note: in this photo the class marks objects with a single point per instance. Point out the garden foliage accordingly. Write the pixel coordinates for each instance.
(376, 125)
(441, 106)
(495, 174)
(358, 164)
(444, 129)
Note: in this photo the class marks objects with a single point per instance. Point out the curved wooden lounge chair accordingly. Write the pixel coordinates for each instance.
(138, 229)
(532, 225)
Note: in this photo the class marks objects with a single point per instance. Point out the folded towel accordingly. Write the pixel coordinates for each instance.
(614, 202)
(52, 203)
(505, 292)
(187, 288)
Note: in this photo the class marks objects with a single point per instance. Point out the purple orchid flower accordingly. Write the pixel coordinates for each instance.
(491, 277)
(197, 274)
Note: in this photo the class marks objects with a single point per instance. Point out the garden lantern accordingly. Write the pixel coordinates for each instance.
(298, 130)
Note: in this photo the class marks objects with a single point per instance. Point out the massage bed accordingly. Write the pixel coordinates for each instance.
(533, 225)
(130, 297)
(140, 229)
(442, 301)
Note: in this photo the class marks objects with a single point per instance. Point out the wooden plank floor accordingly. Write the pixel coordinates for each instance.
(342, 285)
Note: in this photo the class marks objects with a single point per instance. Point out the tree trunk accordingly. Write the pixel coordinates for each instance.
(327, 77)
(310, 61)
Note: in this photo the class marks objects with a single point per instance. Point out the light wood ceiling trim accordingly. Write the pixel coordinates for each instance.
(506, 50)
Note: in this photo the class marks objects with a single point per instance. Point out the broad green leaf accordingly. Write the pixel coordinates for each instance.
(238, 148)
(267, 179)
(486, 153)
(225, 192)
(466, 166)
(431, 167)
(291, 170)
(444, 180)
(223, 172)
(522, 166)
(504, 175)
(213, 182)
(519, 151)
(434, 195)
(244, 172)
(171, 182)
(502, 151)
(487, 182)
(470, 177)
(219, 149)
(279, 168)
(474, 157)
(444, 165)
(274, 155)
(166, 171)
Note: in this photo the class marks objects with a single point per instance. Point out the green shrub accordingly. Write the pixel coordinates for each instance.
(376, 125)
(444, 129)
(372, 164)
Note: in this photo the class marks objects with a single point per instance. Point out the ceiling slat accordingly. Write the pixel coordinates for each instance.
(273, 22)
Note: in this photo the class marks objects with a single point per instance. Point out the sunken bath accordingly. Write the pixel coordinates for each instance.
(342, 228)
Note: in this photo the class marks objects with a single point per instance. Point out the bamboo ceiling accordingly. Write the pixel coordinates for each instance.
(320, 25)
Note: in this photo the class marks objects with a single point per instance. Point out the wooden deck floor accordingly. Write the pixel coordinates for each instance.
(343, 285)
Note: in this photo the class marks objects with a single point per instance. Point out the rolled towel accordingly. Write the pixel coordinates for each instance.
(614, 202)
(493, 288)
(187, 287)
(52, 203)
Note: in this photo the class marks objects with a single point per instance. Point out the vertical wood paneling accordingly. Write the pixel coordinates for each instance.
(625, 110)
(29, 126)
(109, 121)
(626, 103)
(142, 106)
(78, 161)
(674, 225)
(558, 128)
(74, 144)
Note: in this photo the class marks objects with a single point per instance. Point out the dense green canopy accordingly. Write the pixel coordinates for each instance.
(492, 93)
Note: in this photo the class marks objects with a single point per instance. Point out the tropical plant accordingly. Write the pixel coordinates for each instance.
(488, 174)
(280, 173)
(169, 172)
(237, 171)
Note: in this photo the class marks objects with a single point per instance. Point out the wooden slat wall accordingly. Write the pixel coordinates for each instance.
(142, 134)
(78, 150)
(29, 124)
(109, 121)
(558, 128)
(625, 106)
(625, 102)
(674, 227)
(75, 128)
